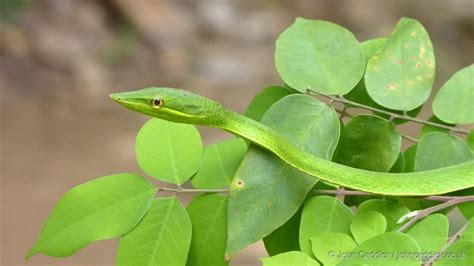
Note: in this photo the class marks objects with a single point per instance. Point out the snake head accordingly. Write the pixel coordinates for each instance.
(172, 104)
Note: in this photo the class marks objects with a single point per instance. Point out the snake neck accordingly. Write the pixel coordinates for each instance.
(257, 133)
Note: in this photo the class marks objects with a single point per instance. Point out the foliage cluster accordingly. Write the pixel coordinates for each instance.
(301, 221)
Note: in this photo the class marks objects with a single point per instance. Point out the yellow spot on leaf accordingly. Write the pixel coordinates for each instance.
(413, 33)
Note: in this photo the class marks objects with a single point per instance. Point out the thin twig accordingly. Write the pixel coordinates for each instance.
(192, 190)
(394, 115)
(340, 191)
(405, 136)
(448, 244)
(423, 213)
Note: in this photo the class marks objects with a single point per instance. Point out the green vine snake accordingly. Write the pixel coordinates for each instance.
(185, 107)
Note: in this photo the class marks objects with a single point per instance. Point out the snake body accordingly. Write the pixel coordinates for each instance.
(184, 107)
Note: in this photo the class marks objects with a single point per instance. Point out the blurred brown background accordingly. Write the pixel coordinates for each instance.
(59, 59)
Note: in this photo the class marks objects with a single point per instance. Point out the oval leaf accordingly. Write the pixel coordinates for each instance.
(453, 103)
(399, 166)
(367, 225)
(161, 238)
(219, 164)
(437, 150)
(458, 254)
(168, 151)
(369, 142)
(284, 238)
(431, 233)
(323, 215)
(208, 213)
(103, 208)
(401, 75)
(390, 249)
(321, 55)
(264, 99)
(266, 191)
(392, 211)
(292, 258)
(326, 247)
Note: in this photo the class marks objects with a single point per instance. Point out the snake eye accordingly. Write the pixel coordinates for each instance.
(157, 103)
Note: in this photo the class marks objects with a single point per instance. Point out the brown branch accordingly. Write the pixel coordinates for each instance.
(448, 244)
(391, 114)
(420, 214)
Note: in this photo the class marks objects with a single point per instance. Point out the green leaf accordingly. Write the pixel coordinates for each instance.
(437, 150)
(367, 225)
(467, 208)
(292, 258)
(468, 233)
(410, 155)
(326, 247)
(219, 164)
(458, 254)
(431, 233)
(369, 142)
(359, 93)
(453, 103)
(390, 249)
(103, 208)
(168, 151)
(323, 215)
(266, 191)
(390, 209)
(400, 76)
(425, 129)
(161, 238)
(208, 213)
(320, 55)
(285, 238)
(399, 166)
(264, 99)
(470, 140)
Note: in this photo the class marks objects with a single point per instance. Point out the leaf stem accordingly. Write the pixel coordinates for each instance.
(425, 212)
(394, 115)
(445, 247)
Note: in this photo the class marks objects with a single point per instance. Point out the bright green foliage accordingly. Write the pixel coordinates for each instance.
(399, 166)
(425, 129)
(264, 99)
(219, 163)
(168, 151)
(468, 233)
(400, 75)
(266, 191)
(390, 209)
(284, 238)
(359, 93)
(321, 55)
(431, 233)
(454, 101)
(467, 209)
(369, 142)
(327, 247)
(161, 238)
(323, 215)
(462, 254)
(103, 208)
(367, 225)
(395, 245)
(410, 155)
(437, 150)
(208, 213)
(470, 140)
(292, 258)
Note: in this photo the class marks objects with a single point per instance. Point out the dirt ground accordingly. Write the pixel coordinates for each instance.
(60, 59)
